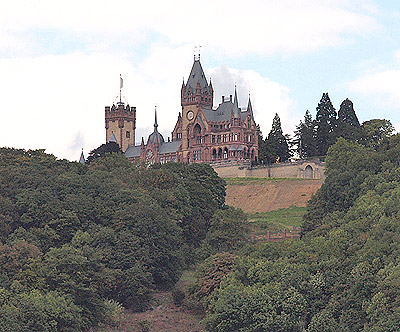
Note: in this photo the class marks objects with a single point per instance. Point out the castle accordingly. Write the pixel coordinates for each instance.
(201, 133)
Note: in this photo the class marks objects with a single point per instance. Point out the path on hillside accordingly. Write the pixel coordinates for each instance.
(163, 316)
(264, 195)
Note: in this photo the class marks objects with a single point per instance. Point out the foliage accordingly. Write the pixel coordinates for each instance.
(90, 238)
(305, 137)
(348, 125)
(102, 150)
(228, 232)
(376, 132)
(325, 125)
(343, 275)
(277, 143)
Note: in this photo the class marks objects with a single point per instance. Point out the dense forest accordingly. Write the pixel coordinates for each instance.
(343, 275)
(80, 242)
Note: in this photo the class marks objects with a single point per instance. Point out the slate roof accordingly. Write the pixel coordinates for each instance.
(132, 151)
(197, 74)
(224, 112)
(169, 147)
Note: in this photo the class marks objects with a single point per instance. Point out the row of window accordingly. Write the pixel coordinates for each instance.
(167, 159)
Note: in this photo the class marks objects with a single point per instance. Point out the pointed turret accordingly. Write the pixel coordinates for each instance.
(235, 99)
(236, 108)
(155, 137)
(250, 109)
(82, 158)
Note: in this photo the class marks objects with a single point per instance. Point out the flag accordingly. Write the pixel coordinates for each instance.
(121, 82)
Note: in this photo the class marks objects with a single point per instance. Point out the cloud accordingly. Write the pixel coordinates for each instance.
(380, 83)
(229, 28)
(267, 97)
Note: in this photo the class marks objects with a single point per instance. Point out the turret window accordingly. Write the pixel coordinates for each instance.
(128, 134)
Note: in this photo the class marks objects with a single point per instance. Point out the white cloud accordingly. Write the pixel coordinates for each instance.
(383, 87)
(228, 27)
(267, 97)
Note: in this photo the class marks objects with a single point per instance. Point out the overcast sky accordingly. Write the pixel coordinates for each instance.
(60, 62)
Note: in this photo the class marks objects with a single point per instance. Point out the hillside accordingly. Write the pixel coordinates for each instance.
(265, 194)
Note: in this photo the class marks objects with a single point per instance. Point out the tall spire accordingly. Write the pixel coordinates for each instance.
(235, 99)
(250, 108)
(236, 105)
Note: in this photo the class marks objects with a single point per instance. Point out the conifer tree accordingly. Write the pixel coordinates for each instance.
(305, 138)
(262, 149)
(325, 125)
(277, 143)
(348, 125)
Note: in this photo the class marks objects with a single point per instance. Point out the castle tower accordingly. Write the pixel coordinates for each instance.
(195, 95)
(120, 120)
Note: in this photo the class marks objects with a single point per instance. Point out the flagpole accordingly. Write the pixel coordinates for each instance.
(120, 87)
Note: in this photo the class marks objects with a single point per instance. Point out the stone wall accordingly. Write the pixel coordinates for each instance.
(302, 169)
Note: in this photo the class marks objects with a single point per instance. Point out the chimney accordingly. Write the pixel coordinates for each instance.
(230, 98)
(223, 98)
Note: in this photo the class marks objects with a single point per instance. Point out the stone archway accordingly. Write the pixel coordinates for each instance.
(308, 172)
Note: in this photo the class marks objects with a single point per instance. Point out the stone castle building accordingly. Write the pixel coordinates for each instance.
(201, 133)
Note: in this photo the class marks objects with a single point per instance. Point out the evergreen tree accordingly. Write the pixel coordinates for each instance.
(325, 125)
(277, 143)
(262, 149)
(348, 125)
(305, 138)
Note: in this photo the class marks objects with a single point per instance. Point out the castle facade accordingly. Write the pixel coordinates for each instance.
(201, 133)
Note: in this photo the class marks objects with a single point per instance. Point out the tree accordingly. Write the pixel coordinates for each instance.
(375, 132)
(277, 143)
(262, 149)
(348, 125)
(102, 150)
(305, 138)
(228, 231)
(325, 125)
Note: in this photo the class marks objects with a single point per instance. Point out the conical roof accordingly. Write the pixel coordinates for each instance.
(196, 75)
(155, 137)
(82, 158)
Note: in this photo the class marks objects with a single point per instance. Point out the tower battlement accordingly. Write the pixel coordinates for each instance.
(120, 120)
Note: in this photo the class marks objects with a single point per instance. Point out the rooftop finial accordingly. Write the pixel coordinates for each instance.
(155, 118)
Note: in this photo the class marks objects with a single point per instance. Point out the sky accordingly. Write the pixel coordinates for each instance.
(60, 62)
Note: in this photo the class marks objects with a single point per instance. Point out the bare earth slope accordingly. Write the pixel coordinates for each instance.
(263, 195)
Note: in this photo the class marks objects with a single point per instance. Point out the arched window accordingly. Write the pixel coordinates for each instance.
(226, 153)
(214, 154)
(219, 153)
